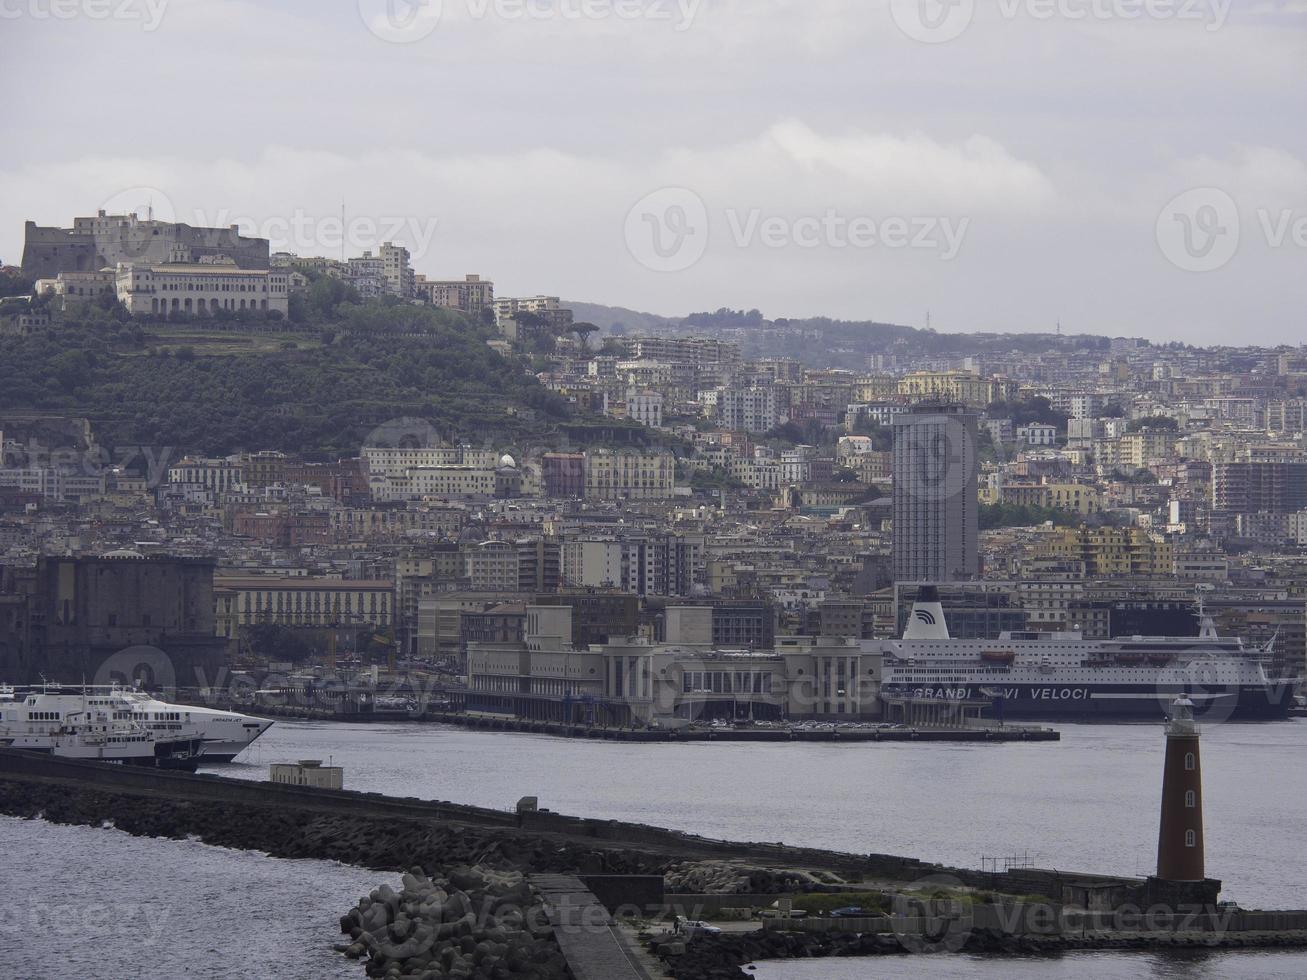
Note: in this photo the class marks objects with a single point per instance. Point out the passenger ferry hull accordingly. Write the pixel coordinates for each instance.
(1052, 702)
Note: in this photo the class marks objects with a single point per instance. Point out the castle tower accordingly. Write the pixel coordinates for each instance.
(1180, 840)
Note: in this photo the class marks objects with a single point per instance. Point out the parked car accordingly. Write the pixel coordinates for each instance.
(693, 928)
(848, 912)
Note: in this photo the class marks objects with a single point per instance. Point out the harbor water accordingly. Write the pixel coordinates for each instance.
(97, 903)
(1087, 803)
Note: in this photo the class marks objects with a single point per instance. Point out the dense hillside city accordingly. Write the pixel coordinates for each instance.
(385, 470)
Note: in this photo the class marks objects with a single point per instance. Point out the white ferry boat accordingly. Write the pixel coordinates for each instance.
(91, 727)
(225, 733)
(1047, 674)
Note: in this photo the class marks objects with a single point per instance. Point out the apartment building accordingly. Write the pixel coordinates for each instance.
(934, 496)
(470, 295)
(396, 270)
(755, 410)
(1109, 552)
(629, 475)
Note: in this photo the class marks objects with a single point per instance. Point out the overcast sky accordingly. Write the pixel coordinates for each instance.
(1004, 164)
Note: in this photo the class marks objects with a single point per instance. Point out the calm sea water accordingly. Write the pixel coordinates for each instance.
(1087, 803)
(98, 903)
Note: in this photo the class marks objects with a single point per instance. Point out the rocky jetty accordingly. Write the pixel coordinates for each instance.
(475, 923)
(736, 878)
(385, 843)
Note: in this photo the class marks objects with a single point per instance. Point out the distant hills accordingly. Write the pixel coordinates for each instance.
(823, 342)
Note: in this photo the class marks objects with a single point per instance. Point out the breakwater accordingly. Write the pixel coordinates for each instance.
(469, 923)
(612, 858)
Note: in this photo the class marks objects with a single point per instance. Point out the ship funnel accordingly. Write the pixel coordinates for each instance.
(926, 620)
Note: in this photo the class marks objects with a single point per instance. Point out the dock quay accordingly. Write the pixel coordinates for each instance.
(693, 733)
(1014, 733)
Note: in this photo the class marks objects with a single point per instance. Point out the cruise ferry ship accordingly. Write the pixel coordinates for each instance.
(1051, 675)
(225, 733)
(91, 727)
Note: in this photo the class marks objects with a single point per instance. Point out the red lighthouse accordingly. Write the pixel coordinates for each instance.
(1180, 840)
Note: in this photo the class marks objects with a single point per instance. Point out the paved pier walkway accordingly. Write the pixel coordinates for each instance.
(585, 931)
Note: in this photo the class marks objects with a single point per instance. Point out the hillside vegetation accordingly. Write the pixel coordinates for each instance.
(317, 387)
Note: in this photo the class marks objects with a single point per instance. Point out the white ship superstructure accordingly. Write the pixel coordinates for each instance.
(1035, 673)
(91, 727)
(225, 733)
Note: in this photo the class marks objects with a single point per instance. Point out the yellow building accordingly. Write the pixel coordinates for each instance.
(956, 386)
(1110, 552)
(1077, 498)
(1074, 497)
(876, 388)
